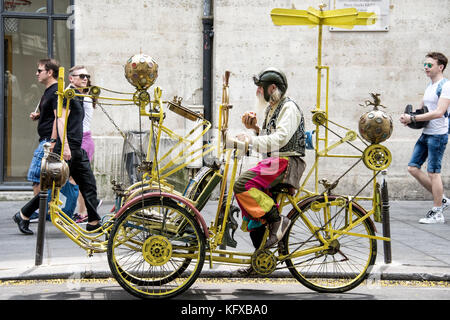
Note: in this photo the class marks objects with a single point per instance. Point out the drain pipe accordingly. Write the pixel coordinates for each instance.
(208, 34)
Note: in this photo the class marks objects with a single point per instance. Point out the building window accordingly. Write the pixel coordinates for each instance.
(31, 30)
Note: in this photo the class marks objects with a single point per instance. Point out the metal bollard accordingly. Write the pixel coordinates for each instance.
(386, 221)
(43, 196)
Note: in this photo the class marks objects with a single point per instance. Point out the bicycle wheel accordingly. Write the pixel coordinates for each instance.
(156, 249)
(342, 265)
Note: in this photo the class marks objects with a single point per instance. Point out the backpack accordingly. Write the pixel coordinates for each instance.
(439, 87)
(438, 93)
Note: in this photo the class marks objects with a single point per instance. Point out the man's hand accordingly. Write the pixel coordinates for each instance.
(405, 119)
(243, 137)
(67, 155)
(240, 142)
(35, 116)
(250, 122)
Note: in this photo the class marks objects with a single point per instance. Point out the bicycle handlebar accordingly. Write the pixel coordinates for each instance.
(231, 143)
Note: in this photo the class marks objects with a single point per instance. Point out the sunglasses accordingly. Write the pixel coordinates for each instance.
(82, 76)
(427, 65)
(40, 70)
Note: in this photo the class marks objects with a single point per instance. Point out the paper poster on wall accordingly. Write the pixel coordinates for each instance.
(379, 7)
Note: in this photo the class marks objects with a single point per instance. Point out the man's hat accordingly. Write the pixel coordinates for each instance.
(269, 76)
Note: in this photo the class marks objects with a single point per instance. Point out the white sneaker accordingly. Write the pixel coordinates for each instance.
(433, 217)
(35, 216)
(445, 203)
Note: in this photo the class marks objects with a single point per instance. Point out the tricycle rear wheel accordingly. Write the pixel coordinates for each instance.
(156, 249)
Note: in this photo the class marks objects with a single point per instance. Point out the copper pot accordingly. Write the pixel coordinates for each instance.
(53, 169)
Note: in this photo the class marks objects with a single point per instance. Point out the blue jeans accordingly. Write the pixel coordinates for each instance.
(34, 172)
(431, 147)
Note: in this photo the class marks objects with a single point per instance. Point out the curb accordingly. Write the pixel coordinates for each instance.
(36, 274)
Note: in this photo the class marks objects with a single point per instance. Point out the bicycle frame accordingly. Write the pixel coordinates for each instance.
(155, 177)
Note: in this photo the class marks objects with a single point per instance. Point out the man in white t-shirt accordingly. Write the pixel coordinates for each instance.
(434, 138)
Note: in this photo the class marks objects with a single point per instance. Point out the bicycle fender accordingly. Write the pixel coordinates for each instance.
(197, 214)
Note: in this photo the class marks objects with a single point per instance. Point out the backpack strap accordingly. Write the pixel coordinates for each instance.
(439, 91)
(439, 87)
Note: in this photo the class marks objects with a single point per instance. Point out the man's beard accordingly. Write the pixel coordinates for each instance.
(260, 104)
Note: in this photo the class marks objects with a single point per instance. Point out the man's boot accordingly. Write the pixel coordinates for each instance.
(278, 226)
(22, 224)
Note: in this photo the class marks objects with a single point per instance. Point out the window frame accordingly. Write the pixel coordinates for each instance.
(50, 16)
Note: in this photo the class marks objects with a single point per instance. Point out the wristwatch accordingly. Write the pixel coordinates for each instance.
(53, 140)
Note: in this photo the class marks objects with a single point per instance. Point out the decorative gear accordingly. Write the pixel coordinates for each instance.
(377, 157)
(94, 91)
(141, 97)
(319, 117)
(69, 94)
(264, 262)
(157, 250)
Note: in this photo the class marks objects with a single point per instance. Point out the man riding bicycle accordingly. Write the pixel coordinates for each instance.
(282, 140)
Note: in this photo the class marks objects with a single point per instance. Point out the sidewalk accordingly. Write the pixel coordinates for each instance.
(419, 252)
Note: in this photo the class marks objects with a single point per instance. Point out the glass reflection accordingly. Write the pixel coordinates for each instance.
(37, 6)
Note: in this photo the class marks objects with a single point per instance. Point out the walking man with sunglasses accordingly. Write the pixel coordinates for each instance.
(73, 153)
(434, 138)
(80, 79)
(47, 74)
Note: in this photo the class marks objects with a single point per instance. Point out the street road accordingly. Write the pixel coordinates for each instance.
(224, 289)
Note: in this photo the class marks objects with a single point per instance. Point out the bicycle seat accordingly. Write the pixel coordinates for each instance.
(283, 188)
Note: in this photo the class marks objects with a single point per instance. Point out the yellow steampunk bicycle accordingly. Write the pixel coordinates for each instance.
(158, 241)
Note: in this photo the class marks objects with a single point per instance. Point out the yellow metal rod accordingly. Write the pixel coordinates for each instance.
(60, 91)
(227, 206)
(223, 187)
(63, 140)
(319, 64)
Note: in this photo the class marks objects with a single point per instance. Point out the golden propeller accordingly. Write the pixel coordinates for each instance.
(342, 18)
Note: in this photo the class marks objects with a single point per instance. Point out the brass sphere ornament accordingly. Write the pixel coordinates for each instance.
(376, 125)
(141, 71)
